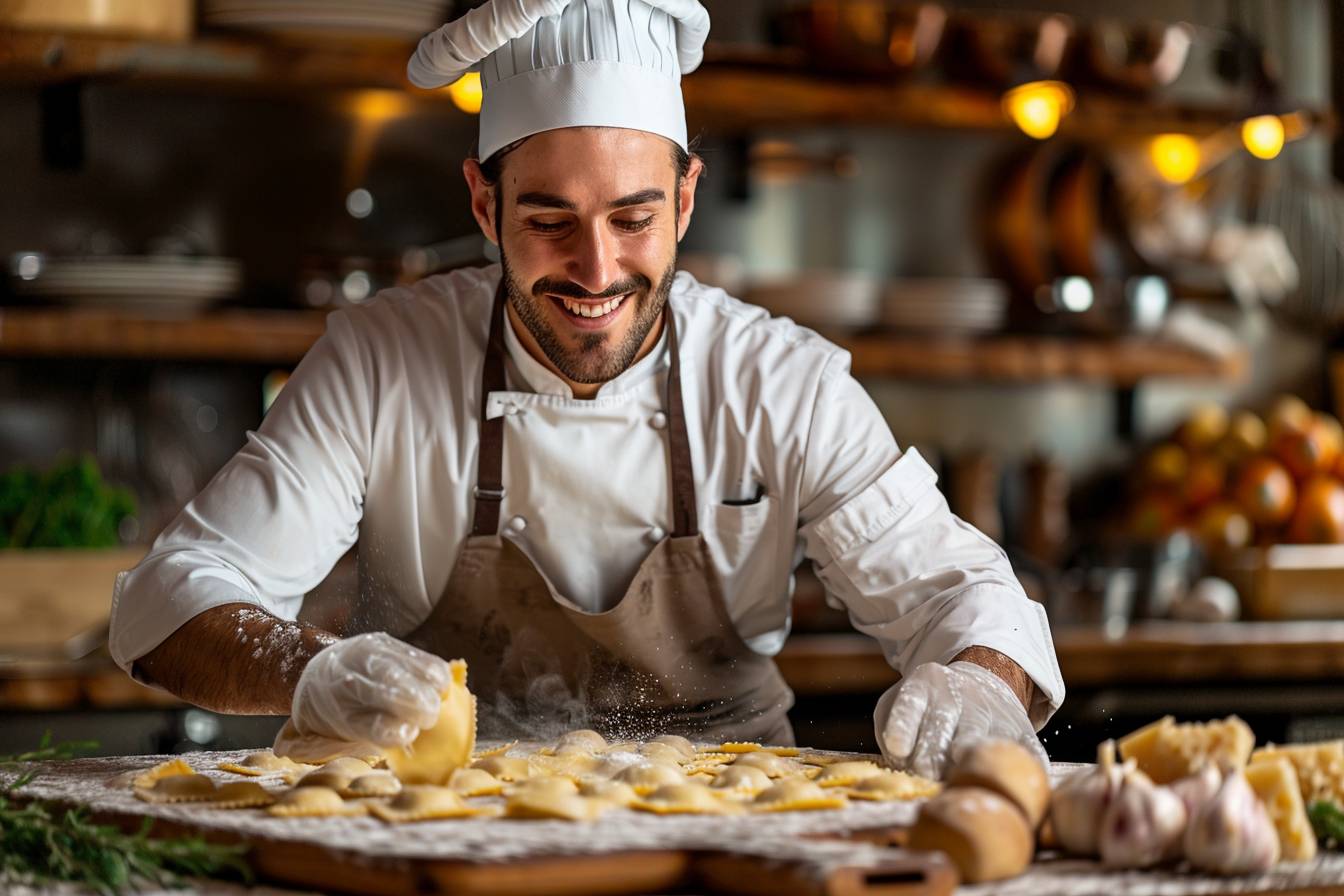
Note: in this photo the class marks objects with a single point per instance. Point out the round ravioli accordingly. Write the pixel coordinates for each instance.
(178, 789)
(676, 742)
(584, 740)
(796, 794)
(741, 780)
(423, 802)
(265, 763)
(313, 802)
(843, 774)
(373, 784)
(684, 799)
(893, 785)
(446, 746)
(475, 782)
(649, 777)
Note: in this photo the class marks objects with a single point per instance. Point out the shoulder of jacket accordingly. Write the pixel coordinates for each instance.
(456, 302)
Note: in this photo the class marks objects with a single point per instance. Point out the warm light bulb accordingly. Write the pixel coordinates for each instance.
(1038, 106)
(1175, 156)
(1263, 136)
(466, 93)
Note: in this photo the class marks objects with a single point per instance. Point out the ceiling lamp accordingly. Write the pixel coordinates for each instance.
(1176, 157)
(1263, 135)
(1037, 107)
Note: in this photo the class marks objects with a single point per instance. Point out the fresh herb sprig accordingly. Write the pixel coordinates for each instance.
(1327, 820)
(42, 843)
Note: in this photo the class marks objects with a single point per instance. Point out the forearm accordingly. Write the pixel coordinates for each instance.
(235, 659)
(1005, 668)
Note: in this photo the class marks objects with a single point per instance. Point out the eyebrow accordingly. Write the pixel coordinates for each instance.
(550, 200)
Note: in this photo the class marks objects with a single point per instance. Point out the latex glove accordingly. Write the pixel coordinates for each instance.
(370, 688)
(927, 718)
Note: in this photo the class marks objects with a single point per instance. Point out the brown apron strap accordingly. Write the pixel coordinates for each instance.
(490, 462)
(683, 471)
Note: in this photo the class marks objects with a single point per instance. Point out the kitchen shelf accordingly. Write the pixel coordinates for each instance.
(282, 337)
(1157, 653)
(736, 90)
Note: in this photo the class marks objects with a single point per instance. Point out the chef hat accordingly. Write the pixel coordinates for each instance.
(549, 64)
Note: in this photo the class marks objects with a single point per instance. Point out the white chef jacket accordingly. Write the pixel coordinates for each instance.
(375, 439)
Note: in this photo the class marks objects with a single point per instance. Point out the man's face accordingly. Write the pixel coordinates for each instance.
(588, 238)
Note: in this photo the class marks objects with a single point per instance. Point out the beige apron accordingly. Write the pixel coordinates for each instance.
(666, 659)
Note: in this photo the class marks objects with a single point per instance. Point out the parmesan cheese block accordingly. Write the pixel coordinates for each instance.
(1319, 768)
(1166, 751)
(1275, 783)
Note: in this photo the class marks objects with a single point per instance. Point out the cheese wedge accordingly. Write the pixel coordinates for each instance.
(1166, 751)
(1319, 767)
(1275, 783)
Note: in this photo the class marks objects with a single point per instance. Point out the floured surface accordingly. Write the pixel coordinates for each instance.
(100, 784)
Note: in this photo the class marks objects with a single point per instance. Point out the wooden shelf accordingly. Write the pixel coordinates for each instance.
(261, 337)
(1153, 653)
(1033, 359)
(282, 337)
(725, 95)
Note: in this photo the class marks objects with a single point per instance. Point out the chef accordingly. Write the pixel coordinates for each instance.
(580, 470)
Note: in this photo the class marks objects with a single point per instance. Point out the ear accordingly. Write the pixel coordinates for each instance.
(687, 194)
(482, 198)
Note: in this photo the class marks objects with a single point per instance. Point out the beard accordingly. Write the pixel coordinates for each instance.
(597, 358)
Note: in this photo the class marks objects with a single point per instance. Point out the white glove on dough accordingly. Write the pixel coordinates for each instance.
(371, 688)
(928, 717)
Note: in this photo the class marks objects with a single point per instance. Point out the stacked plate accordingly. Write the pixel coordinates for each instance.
(384, 18)
(956, 304)
(159, 285)
(820, 298)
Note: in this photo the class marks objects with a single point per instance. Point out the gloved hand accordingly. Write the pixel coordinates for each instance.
(370, 688)
(927, 718)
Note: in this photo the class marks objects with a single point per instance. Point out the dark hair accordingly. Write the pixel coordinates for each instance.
(493, 168)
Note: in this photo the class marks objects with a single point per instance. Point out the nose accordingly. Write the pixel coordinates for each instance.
(594, 264)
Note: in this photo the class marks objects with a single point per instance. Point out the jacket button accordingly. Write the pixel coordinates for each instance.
(512, 409)
(517, 524)
(658, 420)
(657, 534)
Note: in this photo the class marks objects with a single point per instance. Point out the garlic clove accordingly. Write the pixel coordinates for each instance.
(1197, 789)
(1079, 802)
(1232, 833)
(1143, 824)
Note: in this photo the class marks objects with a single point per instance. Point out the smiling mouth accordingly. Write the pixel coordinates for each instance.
(590, 312)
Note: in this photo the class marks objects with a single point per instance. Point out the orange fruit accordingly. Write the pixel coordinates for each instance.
(1266, 491)
(1288, 414)
(1154, 516)
(1204, 427)
(1319, 518)
(1246, 436)
(1205, 481)
(1223, 527)
(1166, 465)
(1312, 450)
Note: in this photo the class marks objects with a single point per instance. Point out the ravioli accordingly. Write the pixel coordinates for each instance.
(741, 780)
(265, 763)
(494, 751)
(445, 747)
(614, 793)
(737, 746)
(774, 766)
(475, 782)
(662, 752)
(676, 742)
(552, 801)
(191, 788)
(373, 784)
(573, 765)
(506, 768)
(584, 740)
(170, 769)
(796, 794)
(313, 802)
(893, 785)
(648, 778)
(239, 795)
(684, 799)
(336, 774)
(842, 774)
(423, 802)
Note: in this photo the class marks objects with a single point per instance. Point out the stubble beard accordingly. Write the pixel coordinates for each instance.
(595, 360)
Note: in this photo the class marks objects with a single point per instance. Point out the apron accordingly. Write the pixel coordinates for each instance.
(666, 659)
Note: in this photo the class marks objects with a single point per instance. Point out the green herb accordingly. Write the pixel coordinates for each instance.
(68, 506)
(1327, 820)
(42, 843)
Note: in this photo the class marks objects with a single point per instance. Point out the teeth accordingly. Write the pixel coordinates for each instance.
(593, 310)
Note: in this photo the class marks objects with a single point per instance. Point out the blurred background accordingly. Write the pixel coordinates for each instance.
(1088, 257)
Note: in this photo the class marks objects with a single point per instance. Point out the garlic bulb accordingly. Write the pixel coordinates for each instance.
(1232, 833)
(1197, 789)
(1080, 800)
(1143, 824)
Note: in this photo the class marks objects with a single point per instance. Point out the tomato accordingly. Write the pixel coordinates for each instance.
(1319, 518)
(1312, 450)
(1266, 491)
(1288, 414)
(1204, 427)
(1204, 482)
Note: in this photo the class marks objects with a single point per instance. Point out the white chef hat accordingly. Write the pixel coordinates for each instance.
(549, 64)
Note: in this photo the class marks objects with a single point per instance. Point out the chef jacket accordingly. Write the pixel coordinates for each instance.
(374, 439)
